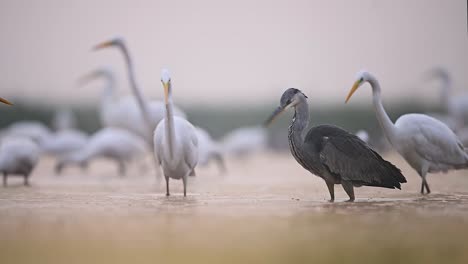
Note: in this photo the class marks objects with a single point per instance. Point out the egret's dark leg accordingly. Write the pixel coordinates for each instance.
(121, 166)
(184, 181)
(349, 189)
(26, 180)
(424, 184)
(167, 185)
(5, 179)
(331, 189)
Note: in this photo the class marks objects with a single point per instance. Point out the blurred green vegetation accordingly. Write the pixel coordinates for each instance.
(219, 120)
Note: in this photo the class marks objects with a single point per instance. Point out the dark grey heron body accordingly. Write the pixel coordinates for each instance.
(333, 154)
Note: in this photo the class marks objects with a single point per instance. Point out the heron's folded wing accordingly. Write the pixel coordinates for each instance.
(354, 161)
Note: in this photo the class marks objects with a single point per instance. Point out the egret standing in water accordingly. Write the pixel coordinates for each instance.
(332, 153)
(427, 144)
(175, 142)
(18, 155)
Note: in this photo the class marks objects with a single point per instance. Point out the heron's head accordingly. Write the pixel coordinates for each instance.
(166, 81)
(104, 72)
(290, 98)
(362, 77)
(5, 101)
(114, 42)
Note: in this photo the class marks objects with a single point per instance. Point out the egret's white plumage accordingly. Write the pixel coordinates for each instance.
(116, 144)
(143, 115)
(63, 142)
(455, 106)
(64, 119)
(427, 144)
(31, 129)
(175, 142)
(363, 135)
(18, 156)
(244, 141)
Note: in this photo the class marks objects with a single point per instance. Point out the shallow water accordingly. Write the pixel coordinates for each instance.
(266, 209)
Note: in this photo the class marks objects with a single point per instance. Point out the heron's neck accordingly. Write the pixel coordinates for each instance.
(142, 103)
(384, 120)
(299, 123)
(169, 125)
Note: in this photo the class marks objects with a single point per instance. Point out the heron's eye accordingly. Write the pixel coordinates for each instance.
(361, 80)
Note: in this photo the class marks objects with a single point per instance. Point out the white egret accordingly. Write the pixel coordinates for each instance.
(455, 106)
(427, 144)
(18, 156)
(175, 142)
(363, 135)
(245, 140)
(208, 150)
(147, 113)
(115, 144)
(31, 129)
(63, 142)
(63, 119)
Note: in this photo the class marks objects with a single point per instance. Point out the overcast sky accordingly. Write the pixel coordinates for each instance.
(233, 51)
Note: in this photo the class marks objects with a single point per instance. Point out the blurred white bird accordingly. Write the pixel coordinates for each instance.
(175, 142)
(244, 141)
(18, 156)
(427, 144)
(63, 119)
(31, 129)
(455, 106)
(363, 135)
(209, 150)
(115, 144)
(147, 114)
(63, 142)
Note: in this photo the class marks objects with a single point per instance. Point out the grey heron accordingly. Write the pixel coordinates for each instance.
(175, 142)
(426, 143)
(333, 154)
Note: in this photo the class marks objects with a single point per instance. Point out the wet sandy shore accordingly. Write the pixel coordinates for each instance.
(266, 209)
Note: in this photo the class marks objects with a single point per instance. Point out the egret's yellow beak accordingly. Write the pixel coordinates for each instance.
(5, 101)
(166, 91)
(353, 89)
(103, 45)
(275, 114)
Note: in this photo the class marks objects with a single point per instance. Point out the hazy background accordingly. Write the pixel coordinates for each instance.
(232, 52)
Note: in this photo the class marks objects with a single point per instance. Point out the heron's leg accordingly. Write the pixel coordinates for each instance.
(428, 191)
(331, 189)
(167, 185)
(184, 181)
(5, 179)
(349, 189)
(26, 179)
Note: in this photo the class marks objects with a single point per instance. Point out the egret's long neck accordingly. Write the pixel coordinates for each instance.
(169, 124)
(298, 125)
(142, 103)
(384, 120)
(445, 91)
(108, 93)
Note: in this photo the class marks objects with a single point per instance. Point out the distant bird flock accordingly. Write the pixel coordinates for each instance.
(135, 126)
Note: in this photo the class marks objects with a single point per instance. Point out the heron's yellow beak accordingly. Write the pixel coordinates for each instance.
(103, 45)
(275, 114)
(166, 91)
(5, 101)
(353, 89)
